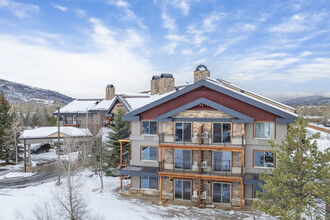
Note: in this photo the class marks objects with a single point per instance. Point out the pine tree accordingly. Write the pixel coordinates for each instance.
(6, 122)
(120, 131)
(299, 185)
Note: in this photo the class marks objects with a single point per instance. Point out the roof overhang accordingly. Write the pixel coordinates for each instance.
(239, 117)
(122, 101)
(283, 115)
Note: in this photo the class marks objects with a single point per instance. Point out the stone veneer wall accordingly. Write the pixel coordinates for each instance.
(238, 129)
(236, 197)
(167, 188)
(116, 108)
(236, 157)
(202, 114)
(166, 85)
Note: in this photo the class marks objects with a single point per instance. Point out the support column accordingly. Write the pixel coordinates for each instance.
(29, 154)
(121, 182)
(24, 155)
(241, 195)
(199, 160)
(160, 189)
(121, 154)
(242, 154)
(199, 191)
(161, 159)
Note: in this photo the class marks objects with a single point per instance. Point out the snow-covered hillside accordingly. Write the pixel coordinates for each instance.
(17, 93)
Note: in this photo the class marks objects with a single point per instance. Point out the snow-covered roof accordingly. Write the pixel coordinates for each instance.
(216, 82)
(102, 106)
(79, 106)
(48, 132)
(136, 103)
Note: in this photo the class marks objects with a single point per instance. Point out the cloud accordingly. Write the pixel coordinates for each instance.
(219, 50)
(209, 23)
(298, 23)
(249, 27)
(129, 13)
(80, 13)
(327, 94)
(61, 8)
(170, 47)
(306, 53)
(168, 22)
(183, 5)
(107, 60)
(19, 9)
(186, 52)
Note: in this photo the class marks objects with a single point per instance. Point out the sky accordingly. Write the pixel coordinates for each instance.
(279, 49)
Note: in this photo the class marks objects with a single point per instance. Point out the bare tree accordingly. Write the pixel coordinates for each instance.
(68, 196)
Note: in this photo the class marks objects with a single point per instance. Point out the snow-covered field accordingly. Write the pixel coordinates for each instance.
(109, 204)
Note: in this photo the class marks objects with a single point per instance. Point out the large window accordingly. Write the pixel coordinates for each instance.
(264, 130)
(264, 159)
(182, 159)
(221, 192)
(183, 132)
(149, 127)
(182, 189)
(221, 132)
(149, 153)
(148, 182)
(221, 160)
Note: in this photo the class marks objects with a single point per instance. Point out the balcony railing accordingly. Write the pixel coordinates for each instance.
(204, 139)
(71, 122)
(223, 169)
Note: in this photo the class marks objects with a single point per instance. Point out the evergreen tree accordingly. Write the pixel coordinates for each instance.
(121, 130)
(6, 122)
(52, 121)
(299, 185)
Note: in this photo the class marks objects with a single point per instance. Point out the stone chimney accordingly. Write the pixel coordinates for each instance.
(201, 72)
(110, 92)
(166, 83)
(155, 85)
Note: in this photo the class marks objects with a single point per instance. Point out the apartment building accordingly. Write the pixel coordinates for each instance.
(204, 143)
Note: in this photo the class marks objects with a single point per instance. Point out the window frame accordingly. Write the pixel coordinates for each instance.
(231, 161)
(231, 132)
(148, 146)
(191, 159)
(230, 191)
(149, 183)
(149, 121)
(264, 122)
(191, 188)
(263, 167)
(191, 131)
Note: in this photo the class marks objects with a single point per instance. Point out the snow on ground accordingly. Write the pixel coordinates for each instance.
(108, 204)
(11, 175)
(323, 141)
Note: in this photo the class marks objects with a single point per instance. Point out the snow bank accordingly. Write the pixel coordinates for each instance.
(16, 175)
(323, 142)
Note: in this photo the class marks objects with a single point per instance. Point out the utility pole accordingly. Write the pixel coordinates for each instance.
(58, 147)
(16, 157)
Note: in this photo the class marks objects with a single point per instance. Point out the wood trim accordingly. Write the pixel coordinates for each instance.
(264, 151)
(140, 127)
(161, 188)
(192, 130)
(140, 182)
(241, 205)
(196, 176)
(130, 126)
(195, 147)
(275, 130)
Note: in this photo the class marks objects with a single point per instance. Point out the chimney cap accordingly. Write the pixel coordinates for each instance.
(155, 77)
(110, 86)
(166, 75)
(198, 68)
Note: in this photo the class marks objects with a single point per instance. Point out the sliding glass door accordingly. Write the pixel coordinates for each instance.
(182, 189)
(221, 192)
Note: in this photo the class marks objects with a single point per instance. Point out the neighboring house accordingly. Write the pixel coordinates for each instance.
(205, 142)
(75, 114)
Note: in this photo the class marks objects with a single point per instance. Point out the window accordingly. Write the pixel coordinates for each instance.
(221, 132)
(148, 153)
(182, 159)
(221, 160)
(149, 127)
(182, 189)
(148, 182)
(221, 192)
(74, 119)
(264, 159)
(183, 132)
(264, 130)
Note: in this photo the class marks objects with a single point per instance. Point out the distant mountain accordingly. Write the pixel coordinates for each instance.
(17, 93)
(310, 100)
